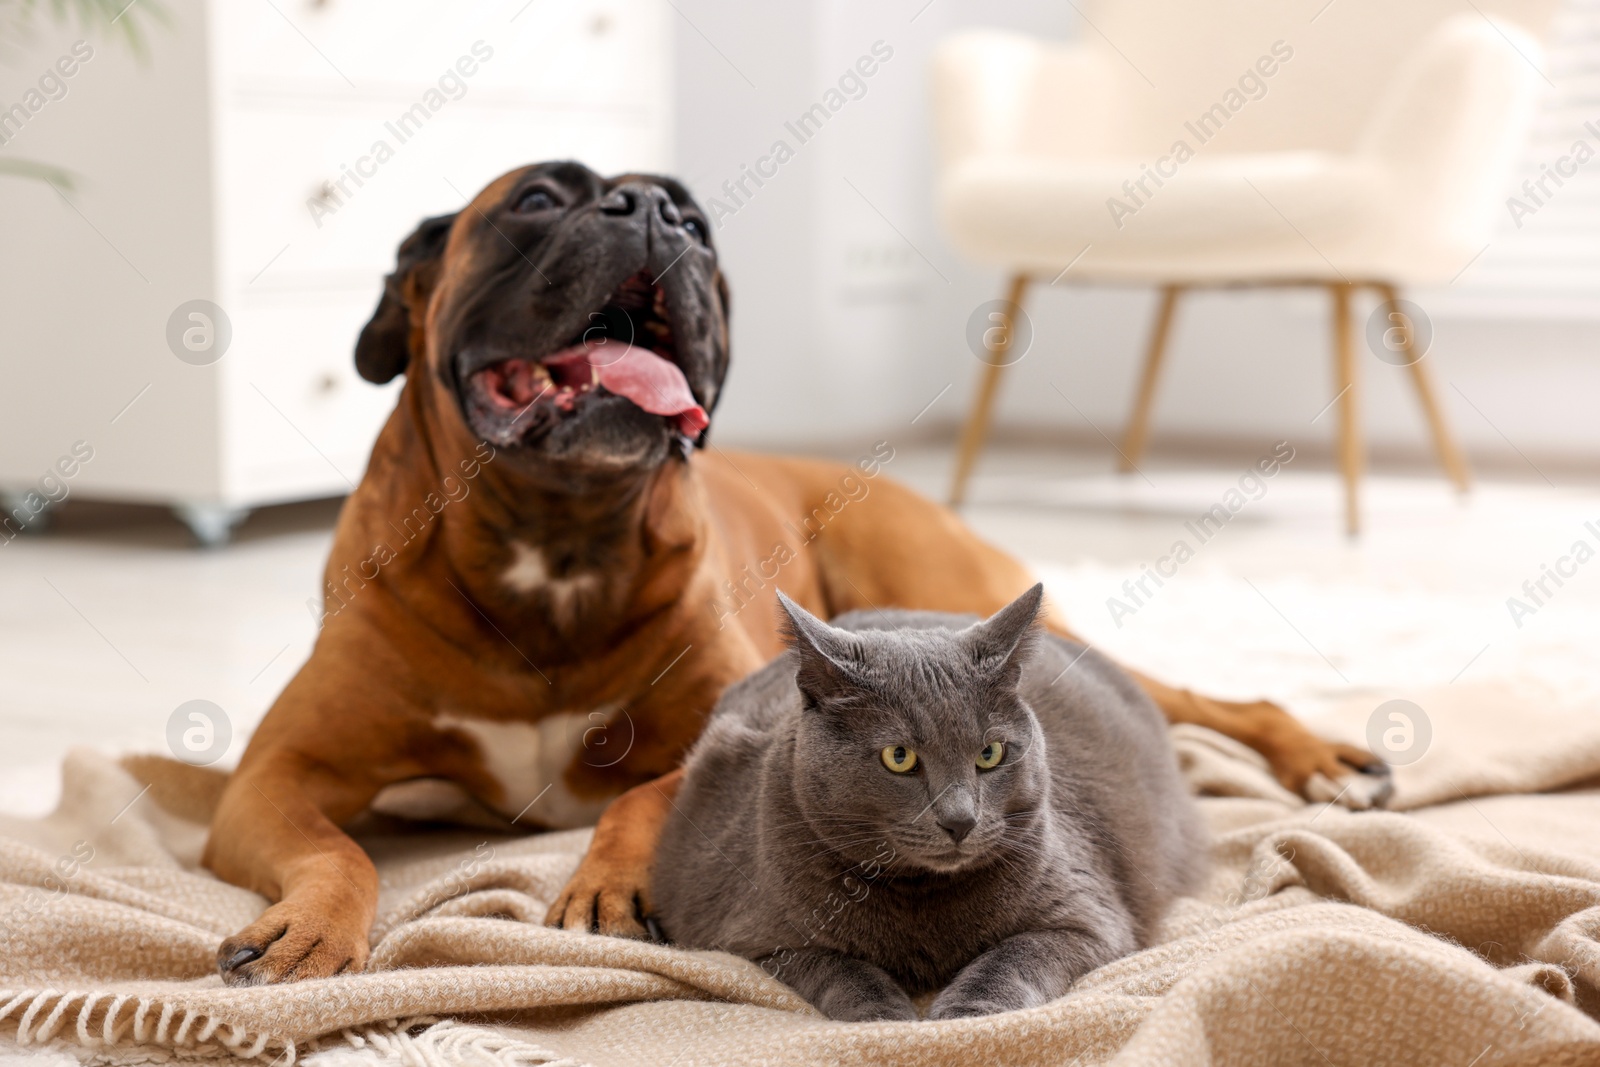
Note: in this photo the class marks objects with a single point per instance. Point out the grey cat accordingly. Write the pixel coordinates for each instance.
(906, 801)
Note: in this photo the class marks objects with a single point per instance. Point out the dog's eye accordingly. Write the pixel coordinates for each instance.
(696, 228)
(534, 200)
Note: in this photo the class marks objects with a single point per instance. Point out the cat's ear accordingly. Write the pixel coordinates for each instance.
(824, 653)
(1004, 641)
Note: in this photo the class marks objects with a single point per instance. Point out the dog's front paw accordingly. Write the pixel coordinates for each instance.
(604, 897)
(292, 941)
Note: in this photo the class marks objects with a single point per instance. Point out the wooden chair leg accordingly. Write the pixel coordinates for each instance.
(977, 425)
(1450, 455)
(1344, 357)
(1133, 438)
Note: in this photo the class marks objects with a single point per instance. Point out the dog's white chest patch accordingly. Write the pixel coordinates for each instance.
(527, 571)
(527, 761)
(528, 574)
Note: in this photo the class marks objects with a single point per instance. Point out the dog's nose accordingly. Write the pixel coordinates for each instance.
(619, 202)
(641, 197)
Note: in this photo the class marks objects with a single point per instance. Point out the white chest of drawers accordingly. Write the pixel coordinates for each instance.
(268, 156)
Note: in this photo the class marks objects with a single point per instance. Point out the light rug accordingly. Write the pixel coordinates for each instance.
(1461, 930)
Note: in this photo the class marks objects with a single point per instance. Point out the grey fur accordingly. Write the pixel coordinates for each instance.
(794, 845)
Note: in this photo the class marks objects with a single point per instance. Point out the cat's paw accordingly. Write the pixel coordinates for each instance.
(844, 988)
(853, 1009)
(966, 1008)
(963, 1000)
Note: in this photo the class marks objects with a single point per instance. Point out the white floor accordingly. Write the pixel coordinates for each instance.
(107, 625)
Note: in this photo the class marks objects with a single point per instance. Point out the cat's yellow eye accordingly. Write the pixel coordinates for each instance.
(991, 755)
(899, 759)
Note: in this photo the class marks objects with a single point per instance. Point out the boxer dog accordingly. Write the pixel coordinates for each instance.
(548, 574)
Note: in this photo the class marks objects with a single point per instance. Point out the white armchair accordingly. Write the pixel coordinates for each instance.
(1368, 148)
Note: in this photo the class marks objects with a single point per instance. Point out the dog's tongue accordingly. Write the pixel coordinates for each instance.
(653, 383)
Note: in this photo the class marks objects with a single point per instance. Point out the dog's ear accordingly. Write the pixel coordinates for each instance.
(384, 348)
(719, 373)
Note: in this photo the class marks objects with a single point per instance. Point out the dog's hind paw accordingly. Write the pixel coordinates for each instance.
(1359, 787)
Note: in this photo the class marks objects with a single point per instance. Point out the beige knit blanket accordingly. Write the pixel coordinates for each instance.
(1461, 932)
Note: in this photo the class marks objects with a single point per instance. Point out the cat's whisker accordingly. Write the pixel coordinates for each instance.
(834, 844)
(838, 847)
(839, 821)
(860, 837)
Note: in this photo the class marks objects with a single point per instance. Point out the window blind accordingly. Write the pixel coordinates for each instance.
(1544, 258)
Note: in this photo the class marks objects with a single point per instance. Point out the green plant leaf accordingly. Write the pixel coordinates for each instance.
(44, 172)
(117, 18)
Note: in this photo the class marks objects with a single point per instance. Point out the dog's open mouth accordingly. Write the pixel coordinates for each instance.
(627, 350)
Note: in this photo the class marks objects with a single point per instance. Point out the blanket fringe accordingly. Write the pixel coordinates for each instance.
(104, 1020)
(426, 1041)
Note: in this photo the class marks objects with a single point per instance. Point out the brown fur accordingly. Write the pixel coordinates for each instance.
(437, 628)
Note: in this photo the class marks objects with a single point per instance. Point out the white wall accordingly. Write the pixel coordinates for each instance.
(842, 330)
(840, 326)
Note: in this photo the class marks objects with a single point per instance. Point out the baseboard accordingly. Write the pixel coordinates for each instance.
(1213, 449)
